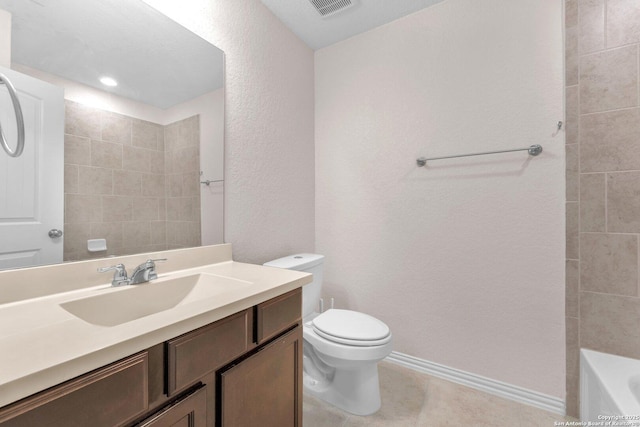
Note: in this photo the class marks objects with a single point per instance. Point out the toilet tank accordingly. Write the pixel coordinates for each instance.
(310, 263)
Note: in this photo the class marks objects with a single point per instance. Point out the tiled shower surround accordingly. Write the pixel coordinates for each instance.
(132, 182)
(603, 181)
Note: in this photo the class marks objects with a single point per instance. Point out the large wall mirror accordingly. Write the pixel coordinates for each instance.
(124, 124)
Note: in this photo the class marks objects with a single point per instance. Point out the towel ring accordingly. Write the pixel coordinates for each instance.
(19, 120)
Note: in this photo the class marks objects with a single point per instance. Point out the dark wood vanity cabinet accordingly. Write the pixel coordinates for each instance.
(241, 371)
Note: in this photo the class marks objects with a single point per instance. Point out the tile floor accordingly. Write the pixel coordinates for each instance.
(412, 399)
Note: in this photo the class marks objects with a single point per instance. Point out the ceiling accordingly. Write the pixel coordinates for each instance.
(317, 32)
(155, 60)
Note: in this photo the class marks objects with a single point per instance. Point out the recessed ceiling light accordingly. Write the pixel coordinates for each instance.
(108, 81)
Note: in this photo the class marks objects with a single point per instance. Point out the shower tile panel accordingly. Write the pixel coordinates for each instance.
(623, 202)
(623, 22)
(608, 80)
(592, 202)
(609, 263)
(591, 25)
(609, 323)
(608, 141)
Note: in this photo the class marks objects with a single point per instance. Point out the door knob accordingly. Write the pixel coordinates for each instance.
(54, 233)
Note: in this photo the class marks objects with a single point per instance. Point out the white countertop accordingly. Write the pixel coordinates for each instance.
(42, 345)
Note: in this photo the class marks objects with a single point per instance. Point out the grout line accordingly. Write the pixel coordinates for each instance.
(615, 110)
(604, 23)
(579, 120)
(610, 294)
(579, 31)
(606, 203)
(579, 139)
(612, 172)
(606, 50)
(609, 171)
(617, 233)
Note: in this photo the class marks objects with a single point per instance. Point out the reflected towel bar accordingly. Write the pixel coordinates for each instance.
(4, 80)
(208, 182)
(533, 150)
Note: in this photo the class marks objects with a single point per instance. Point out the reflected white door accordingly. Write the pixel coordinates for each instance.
(32, 185)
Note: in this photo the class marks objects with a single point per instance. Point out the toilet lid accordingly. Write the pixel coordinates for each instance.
(351, 327)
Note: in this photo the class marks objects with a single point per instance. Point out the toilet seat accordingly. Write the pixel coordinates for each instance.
(351, 328)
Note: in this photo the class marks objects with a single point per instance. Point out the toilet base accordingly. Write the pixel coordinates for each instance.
(356, 391)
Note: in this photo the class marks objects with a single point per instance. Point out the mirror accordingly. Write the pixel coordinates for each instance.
(142, 161)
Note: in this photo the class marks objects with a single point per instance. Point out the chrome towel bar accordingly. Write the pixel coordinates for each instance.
(533, 150)
(19, 120)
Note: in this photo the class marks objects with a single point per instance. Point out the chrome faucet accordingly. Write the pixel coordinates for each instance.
(143, 273)
(119, 276)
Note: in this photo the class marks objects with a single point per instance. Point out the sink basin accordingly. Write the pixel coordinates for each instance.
(117, 306)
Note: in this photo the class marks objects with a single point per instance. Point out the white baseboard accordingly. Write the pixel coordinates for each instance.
(497, 388)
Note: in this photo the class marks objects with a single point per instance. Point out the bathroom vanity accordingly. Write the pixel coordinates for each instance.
(223, 359)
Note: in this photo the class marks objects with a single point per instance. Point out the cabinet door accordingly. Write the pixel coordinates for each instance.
(190, 411)
(265, 389)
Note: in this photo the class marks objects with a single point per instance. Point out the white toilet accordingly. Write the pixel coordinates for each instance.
(341, 348)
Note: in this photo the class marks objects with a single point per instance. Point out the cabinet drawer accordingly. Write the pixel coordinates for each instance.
(278, 314)
(190, 411)
(194, 354)
(109, 396)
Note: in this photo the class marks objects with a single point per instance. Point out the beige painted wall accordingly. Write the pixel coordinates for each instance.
(269, 121)
(603, 181)
(463, 259)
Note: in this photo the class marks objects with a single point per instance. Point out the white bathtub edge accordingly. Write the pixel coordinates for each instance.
(488, 385)
(611, 374)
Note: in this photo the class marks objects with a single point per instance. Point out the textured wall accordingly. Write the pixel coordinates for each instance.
(603, 182)
(463, 259)
(269, 117)
(5, 39)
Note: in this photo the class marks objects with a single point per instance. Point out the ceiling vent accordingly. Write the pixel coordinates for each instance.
(328, 8)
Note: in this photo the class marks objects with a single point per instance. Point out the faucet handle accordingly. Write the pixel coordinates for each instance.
(120, 275)
(150, 265)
